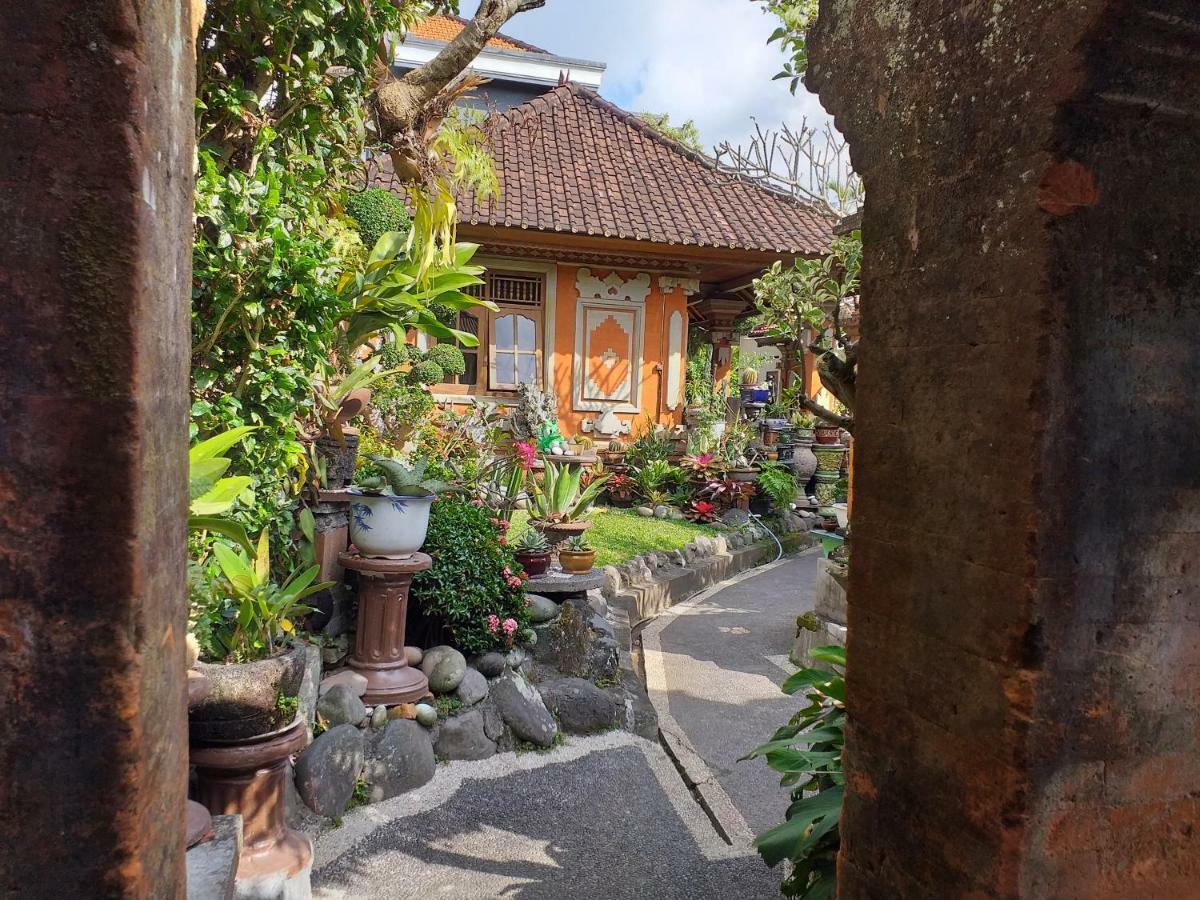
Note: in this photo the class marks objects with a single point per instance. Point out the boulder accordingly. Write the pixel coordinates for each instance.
(414, 655)
(399, 760)
(493, 722)
(541, 609)
(612, 582)
(341, 706)
(514, 657)
(661, 512)
(581, 707)
(646, 511)
(490, 664)
(578, 643)
(464, 737)
(327, 771)
(472, 688)
(444, 669)
(334, 650)
(357, 683)
(523, 710)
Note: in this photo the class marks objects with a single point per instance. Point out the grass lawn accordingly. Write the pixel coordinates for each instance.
(621, 534)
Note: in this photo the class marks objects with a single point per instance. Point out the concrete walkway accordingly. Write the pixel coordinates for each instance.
(714, 665)
(601, 817)
(609, 816)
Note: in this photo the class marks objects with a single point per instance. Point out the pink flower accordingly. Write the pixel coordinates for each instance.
(526, 454)
(503, 526)
(493, 623)
(503, 541)
(506, 571)
(510, 625)
(514, 582)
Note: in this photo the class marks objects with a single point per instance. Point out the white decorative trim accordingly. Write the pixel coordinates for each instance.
(674, 361)
(612, 288)
(670, 282)
(613, 294)
(525, 68)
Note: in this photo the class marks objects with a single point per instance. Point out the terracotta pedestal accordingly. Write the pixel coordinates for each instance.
(249, 779)
(379, 645)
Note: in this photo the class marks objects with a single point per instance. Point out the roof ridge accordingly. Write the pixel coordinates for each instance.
(525, 45)
(703, 159)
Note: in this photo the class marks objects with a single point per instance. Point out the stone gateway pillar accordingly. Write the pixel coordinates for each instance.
(96, 123)
(1024, 619)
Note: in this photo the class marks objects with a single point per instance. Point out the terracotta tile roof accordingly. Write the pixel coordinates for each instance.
(446, 28)
(571, 162)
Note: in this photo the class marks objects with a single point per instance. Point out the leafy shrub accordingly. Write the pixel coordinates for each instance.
(778, 483)
(376, 211)
(807, 752)
(473, 587)
(448, 358)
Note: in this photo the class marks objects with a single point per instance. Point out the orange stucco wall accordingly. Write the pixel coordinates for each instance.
(560, 343)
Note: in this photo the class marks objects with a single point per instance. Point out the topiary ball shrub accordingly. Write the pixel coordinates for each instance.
(448, 357)
(376, 212)
(427, 372)
(473, 588)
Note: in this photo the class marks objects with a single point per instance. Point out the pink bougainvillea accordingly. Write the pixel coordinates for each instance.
(510, 625)
(494, 623)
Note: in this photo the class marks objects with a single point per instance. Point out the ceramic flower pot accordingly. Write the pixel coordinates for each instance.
(827, 433)
(745, 476)
(386, 526)
(577, 562)
(534, 564)
(558, 532)
(243, 699)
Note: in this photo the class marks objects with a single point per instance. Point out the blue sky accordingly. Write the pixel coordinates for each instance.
(706, 60)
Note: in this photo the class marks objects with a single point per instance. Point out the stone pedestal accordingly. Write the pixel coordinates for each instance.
(249, 779)
(378, 655)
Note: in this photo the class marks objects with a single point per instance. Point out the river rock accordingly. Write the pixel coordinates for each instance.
(357, 683)
(472, 688)
(523, 710)
(445, 668)
(400, 759)
(327, 771)
(541, 609)
(414, 655)
(661, 512)
(490, 664)
(646, 511)
(581, 707)
(341, 706)
(426, 715)
(464, 737)
(379, 717)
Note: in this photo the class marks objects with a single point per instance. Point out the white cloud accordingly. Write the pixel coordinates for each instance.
(706, 60)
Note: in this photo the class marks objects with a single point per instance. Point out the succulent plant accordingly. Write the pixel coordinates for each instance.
(577, 544)
(616, 446)
(532, 542)
(400, 479)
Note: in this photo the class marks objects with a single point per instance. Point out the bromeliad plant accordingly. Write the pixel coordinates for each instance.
(261, 615)
(807, 752)
(559, 497)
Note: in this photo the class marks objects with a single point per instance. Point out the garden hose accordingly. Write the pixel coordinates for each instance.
(763, 524)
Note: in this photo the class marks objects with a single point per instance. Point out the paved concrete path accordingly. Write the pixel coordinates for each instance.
(714, 665)
(602, 817)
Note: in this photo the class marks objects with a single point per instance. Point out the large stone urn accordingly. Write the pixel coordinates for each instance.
(829, 473)
(804, 463)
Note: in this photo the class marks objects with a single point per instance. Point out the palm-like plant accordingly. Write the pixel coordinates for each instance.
(210, 494)
(560, 498)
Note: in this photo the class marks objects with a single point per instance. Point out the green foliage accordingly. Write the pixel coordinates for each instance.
(532, 542)
(618, 535)
(649, 445)
(448, 358)
(795, 17)
(253, 622)
(807, 752)
(375, 212)
(778, 483)
(558, 497)
(400, 479)
(686, 134)
(578, 544)
(473, 576)
(210, 493)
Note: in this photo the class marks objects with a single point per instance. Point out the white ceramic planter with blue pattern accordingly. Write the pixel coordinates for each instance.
(386, 526)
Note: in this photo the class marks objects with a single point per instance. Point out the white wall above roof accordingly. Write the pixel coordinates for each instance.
(508, 65)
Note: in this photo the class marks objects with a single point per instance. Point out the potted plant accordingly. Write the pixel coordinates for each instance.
(254, 666)
(390, 513)
(620, 490)
(577, 558)
(827, 433)
(532, 551)
(338, 399)
(803, 428)
(558, 501)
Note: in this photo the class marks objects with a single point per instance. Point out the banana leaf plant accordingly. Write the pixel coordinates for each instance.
(807, 751)
(401, 285)
(210, 493)
(559, 497)
(265, 612)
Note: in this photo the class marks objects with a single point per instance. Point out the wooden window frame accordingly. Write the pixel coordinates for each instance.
(483, 372)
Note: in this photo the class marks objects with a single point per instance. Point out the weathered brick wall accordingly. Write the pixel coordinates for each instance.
(1024, 622)
(96, 164)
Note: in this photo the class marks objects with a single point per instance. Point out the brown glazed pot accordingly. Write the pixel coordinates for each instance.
(577, 562)
(534, 563)
(827, 434)
(243, 698)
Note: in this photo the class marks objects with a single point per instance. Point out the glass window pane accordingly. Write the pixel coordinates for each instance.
(526, 339)
(504, 332)
(472, 371)
(527, 368)
(506, 368)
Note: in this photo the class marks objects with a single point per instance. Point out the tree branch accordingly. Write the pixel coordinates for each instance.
(827, 414)
(399, 102)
